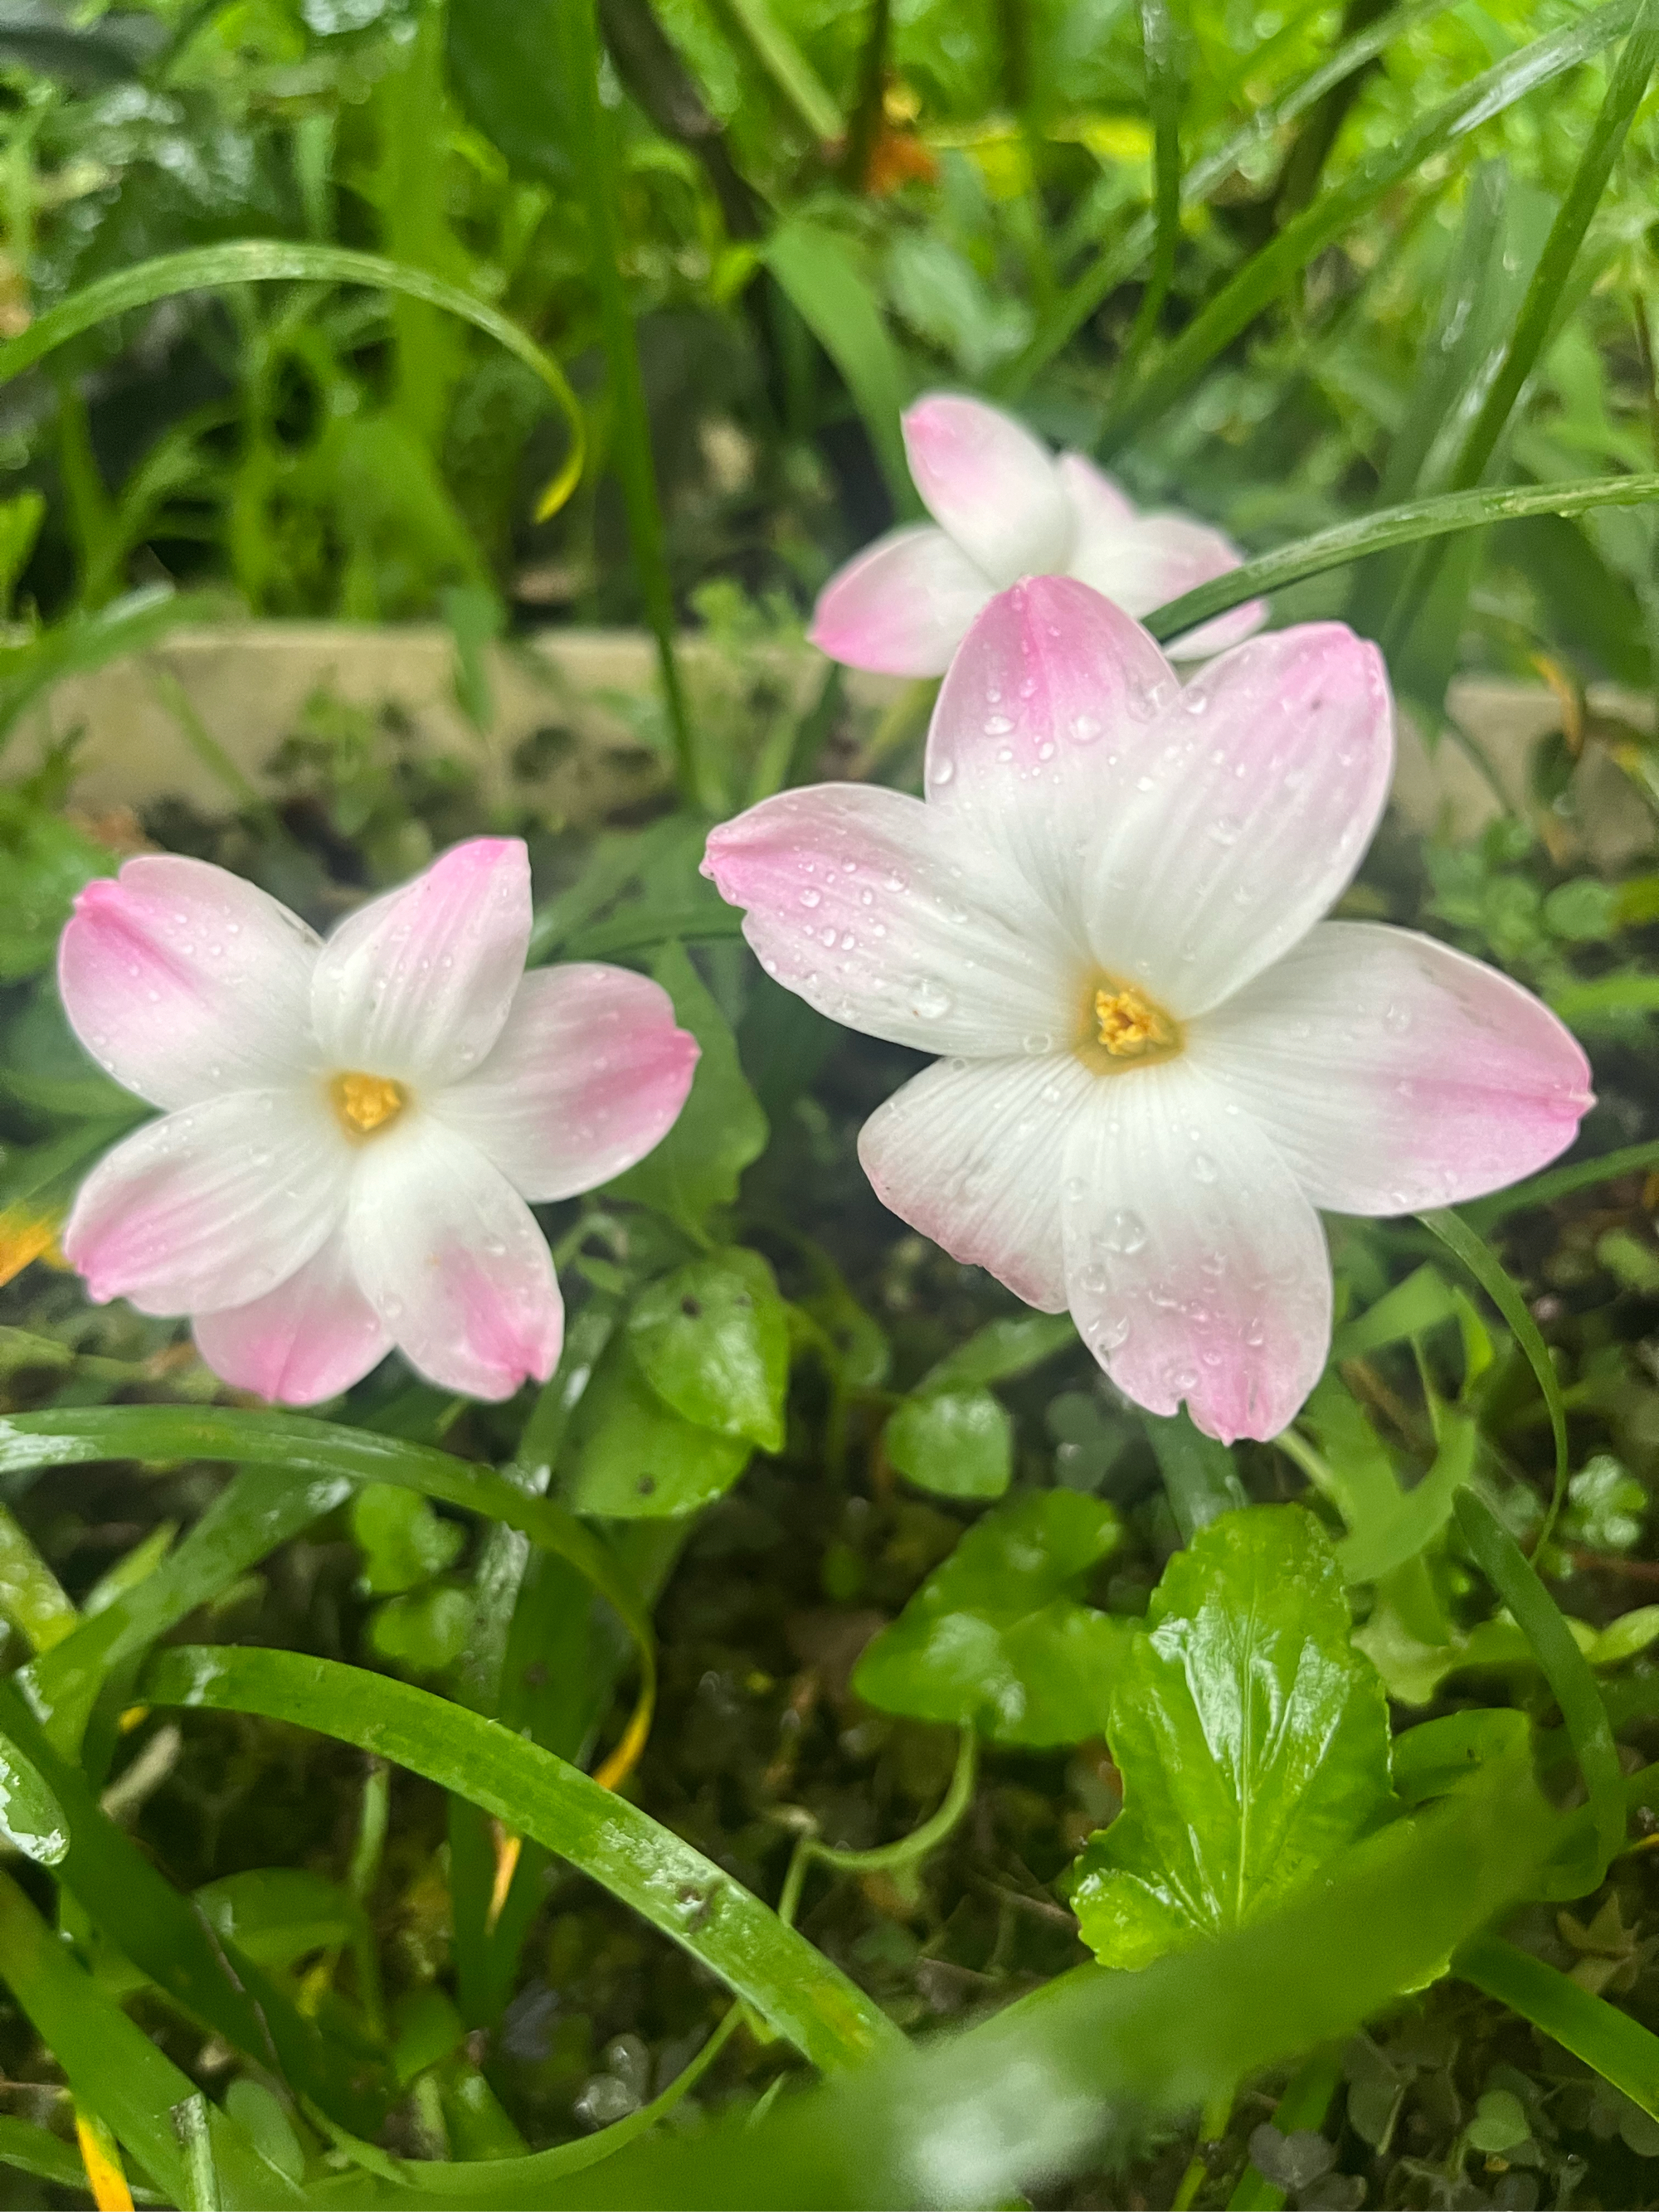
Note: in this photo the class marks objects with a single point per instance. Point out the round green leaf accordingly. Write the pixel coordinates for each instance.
(712, 1339)
(635, 1459)
(958, 1443)
(995, 1639)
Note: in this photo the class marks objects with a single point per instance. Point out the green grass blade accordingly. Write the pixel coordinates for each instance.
(266, 260)
(318, 1458)
(792, 1987)
(1198, 1476)
(84, 642)
(1306, 2104)
(1540, 311)
(823, 283)
(789, 67)
(1268, 273)
(1561, 1182)
(1395, 526)
(40, 2155)
(32, 1819)
(1161, 51)
(112, 2066)
(1495, 1281)
(1027, 2098)
(1565, 1667)
(1075, 307)
(1620, 2049)
(127, 1897)
(597, 163)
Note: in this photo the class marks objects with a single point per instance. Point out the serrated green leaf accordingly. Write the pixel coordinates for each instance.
(403, 1542)
(958, 1443)
(634, 1459)
(722, 1128)
(997, 1640)
(1252, 1738)
(712, 1339)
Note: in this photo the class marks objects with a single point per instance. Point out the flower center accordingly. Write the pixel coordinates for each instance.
(367, 1102)
(1123, 1028)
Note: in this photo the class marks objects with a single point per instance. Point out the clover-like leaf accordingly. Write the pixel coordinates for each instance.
(712, 1339)
(405, 1542)
(958, 1443)
(635, 1458)
(997, 1638)
(1253, 1740)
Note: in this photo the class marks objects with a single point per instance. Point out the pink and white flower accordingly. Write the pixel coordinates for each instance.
(1004, 507)
(1158, 1059)
(351, 1129)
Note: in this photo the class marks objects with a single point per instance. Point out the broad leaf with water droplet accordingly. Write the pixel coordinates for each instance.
(1253, 1740)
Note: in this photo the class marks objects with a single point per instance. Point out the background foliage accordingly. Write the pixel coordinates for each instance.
(395, 1801)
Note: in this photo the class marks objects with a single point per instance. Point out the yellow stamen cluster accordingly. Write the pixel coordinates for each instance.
(1123, 1027)
(367, 1102)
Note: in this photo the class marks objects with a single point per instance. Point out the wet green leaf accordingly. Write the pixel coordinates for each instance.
(712, 1339)
(405, 1542)
(1010, 1346)
(997, 1638)
(31, 1819)
(720, 1129)
(633, 1458)
(1252, 1738)
(958, 1443)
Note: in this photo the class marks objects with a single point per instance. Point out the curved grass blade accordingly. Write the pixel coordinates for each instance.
(165, 1936)
(1561, 1182)
(1420, 1514)
(1395, 526)
(1541, 309)
(1033, 2095)
(794, 1987)
(265, 260)
(31, 1819)
(113, 2066)
(1620, 2049)
(1565, 1668)
(1268, 273)
(1495, 1281)
(86, 641)
(488, 2182)
(1074, 308)
(327, 1455)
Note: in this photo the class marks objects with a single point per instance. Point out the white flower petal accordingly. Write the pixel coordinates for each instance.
(1144, 561)
(212, 1206)
(1039, 731)
(902, 605)
(309, 1339)
(1393, 1073)
(450, 1257)
(991, 484)
(885, 914)
(1195, 1267)
(417, 985)
(184, 981)
(968, 1152)
(1256, 795)
(588, 1075)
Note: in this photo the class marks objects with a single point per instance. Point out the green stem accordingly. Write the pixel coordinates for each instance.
(1212, 2127)
(635, 469)
(886, 1858)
